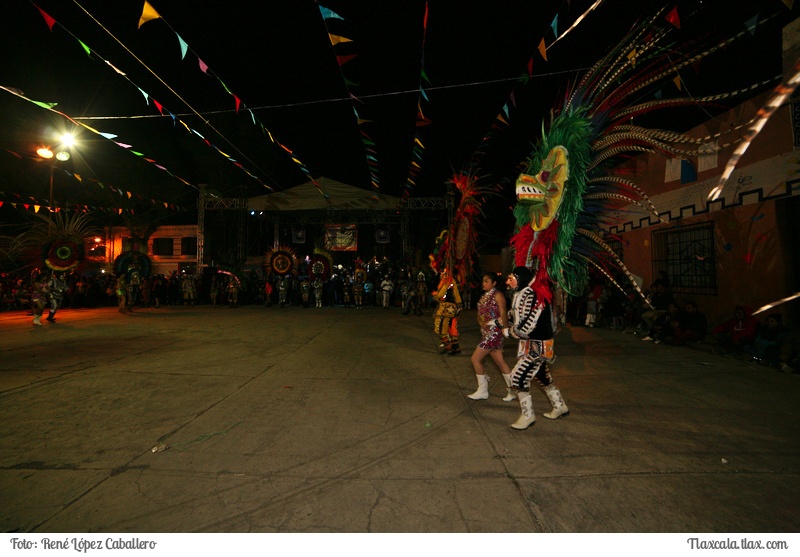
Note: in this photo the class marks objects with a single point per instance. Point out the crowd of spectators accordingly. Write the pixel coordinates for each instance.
(665, 320)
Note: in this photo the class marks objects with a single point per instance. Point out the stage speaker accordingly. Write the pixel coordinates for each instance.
(298, 235)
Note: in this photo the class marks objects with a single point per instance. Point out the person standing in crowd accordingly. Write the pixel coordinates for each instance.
(319, 288)
(160, 289)
(38, 295)
(188, 288)
(305, 291)
(492, 318)
(233, 292)
(56, 287)
(347, 291)
(593, 303)
(121, 289)
(213, 291)
(533, 324)
(386, 291)
(358, 291)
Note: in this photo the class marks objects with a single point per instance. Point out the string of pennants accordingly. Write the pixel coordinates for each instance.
(503, 118)
(370, 152)
(51, 22)
(37, 203)
(149, 14)
(421, 119)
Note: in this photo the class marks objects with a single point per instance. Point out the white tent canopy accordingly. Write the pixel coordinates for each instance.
(324, 195)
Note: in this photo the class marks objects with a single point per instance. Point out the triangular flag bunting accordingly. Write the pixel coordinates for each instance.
(85, 48)
(184, 46)
(677, 82)
(203, 67)
(47, 19)
(148, 13)
(158, 106)
(345, 59)
(751, 24)
(673, 18)
(336, 39)
(329, 14)
(554, 26)
(543, 50)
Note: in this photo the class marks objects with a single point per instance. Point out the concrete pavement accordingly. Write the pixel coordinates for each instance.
(338, 420)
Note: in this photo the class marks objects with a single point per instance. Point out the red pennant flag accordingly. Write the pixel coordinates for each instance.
(425, 19)
(673, 18)
(158, 106)
(345, 59)
(203, 66)
(238, 103)
(47, 18)
(530, 67)
(26, 206)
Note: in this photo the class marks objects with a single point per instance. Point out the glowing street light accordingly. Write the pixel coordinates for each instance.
(61, 154)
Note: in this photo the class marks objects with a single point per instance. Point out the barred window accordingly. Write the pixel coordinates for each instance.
(688, 256)
(189, 245)
(162, 246)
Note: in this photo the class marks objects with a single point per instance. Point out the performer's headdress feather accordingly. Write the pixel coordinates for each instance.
(569, 186)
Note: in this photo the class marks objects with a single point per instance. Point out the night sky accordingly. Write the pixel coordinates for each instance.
(277, 61)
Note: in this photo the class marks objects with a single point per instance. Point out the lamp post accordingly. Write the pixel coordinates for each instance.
(61, 154)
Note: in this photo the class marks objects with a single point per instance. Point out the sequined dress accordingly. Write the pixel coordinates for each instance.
(491, 336)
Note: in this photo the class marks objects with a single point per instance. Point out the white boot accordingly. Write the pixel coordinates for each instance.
(483, 388)
(526, 417)
(37, 320)
(559, 408)
(509, 394)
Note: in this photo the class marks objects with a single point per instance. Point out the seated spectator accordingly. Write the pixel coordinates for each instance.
(662, 328)
(659, 297)
(690, 325)
(614, 308)
(766, 345)
(737, 332)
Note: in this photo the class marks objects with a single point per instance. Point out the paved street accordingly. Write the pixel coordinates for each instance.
(338, 420)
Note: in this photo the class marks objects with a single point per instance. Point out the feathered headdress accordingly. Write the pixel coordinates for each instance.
(456, 246)
(570, 185)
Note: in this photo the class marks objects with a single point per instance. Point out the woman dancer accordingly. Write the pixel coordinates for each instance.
(491, 312)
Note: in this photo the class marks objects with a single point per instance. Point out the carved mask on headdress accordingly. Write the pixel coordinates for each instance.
(544, 191)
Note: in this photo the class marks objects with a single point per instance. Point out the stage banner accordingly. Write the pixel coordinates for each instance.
(341, 237)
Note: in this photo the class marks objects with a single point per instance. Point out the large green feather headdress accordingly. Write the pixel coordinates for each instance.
(570, 187)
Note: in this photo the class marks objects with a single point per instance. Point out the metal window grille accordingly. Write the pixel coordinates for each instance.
(688, 256)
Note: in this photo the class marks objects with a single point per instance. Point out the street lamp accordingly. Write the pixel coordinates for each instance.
(61, 154)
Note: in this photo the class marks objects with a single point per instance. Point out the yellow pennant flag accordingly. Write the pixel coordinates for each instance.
(677, 82)
(336, 39)
(148, 13)
(543, 50)
(36, 208)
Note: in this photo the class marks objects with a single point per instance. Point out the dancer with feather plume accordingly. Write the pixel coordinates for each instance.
(570, 187)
